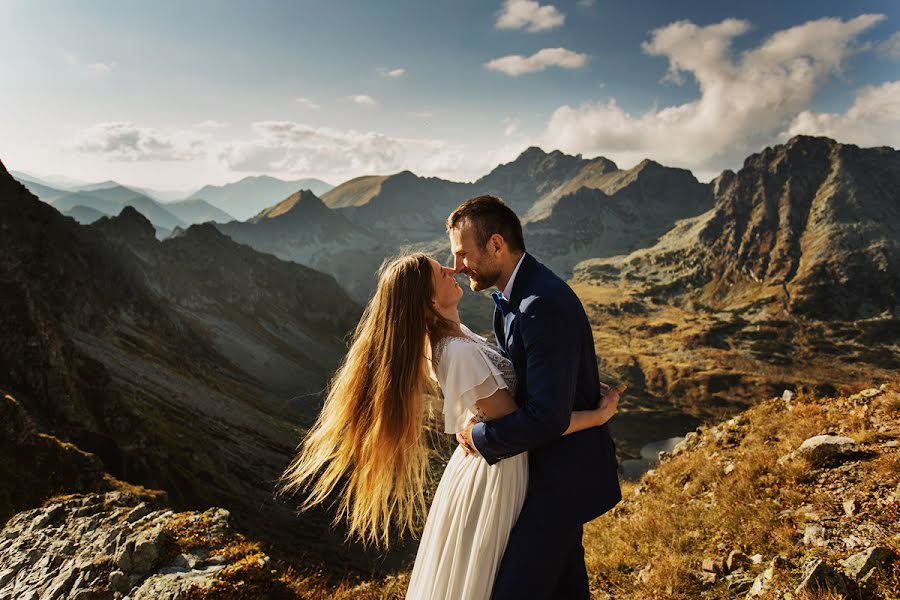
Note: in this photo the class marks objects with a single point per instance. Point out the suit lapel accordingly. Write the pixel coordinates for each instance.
(520, 290)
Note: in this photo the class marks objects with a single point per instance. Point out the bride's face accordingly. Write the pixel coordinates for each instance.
(446, 290)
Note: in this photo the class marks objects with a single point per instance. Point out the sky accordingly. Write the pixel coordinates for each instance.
(176, 95)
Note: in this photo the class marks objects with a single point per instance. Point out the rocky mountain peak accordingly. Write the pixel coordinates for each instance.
(301, 204)
(531, 153)
(129, 224)
(205, 233)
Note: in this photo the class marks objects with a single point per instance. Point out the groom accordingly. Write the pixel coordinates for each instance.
(540, 324)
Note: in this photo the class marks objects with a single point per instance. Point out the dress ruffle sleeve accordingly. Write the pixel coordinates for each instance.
(465, 375)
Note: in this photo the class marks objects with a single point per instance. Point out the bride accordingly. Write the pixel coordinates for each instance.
(369, 441)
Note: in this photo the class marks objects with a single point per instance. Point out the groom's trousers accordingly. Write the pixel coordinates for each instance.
(542, 563)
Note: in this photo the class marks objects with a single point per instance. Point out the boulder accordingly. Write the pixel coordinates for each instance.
(822, 450)
(818, 578)
(863, 564)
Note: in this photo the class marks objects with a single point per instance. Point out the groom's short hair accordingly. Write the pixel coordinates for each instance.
(489, 215)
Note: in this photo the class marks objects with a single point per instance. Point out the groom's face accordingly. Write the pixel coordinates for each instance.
(470, 259)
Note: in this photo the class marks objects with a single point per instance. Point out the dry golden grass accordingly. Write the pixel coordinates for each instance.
(652, 545)
(690, 509)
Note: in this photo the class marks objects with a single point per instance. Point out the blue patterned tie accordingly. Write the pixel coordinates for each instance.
(502, 303)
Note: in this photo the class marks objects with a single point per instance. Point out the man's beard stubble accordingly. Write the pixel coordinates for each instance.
(484, 280)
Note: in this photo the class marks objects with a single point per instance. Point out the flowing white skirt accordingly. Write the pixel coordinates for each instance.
(474, 509)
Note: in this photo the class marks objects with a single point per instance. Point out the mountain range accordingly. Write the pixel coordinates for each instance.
(250, 195)
(189, 365)
(192, 364)
(812, 226)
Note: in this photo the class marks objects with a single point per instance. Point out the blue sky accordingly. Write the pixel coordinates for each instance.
(175, 95)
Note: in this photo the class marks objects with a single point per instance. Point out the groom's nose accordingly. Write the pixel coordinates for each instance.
(458, 266)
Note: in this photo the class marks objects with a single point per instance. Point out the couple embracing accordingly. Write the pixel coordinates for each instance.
(535, 459)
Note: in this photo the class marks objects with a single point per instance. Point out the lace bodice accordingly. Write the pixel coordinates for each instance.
(491, 353)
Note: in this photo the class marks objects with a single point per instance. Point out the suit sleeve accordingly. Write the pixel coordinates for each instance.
(551, 343)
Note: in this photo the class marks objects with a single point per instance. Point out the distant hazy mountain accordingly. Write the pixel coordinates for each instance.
(54, 181)
(302, 229)
(44, 192)
(247, 197)
(415, 208)
(99, 185)
(811, 225)
(111, 200)
(197, 211)
(605, 211)
(84, 214)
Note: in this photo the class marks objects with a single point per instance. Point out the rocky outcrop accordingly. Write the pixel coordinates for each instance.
(111, 545)
(613, 213)
(534, 174)
(811, 226)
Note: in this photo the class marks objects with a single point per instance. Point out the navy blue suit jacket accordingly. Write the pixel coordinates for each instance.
(573, 478)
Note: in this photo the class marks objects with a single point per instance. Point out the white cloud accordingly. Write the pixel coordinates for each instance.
(363, 100)
(121, 141)
(77, 63)
(101, 68)
(295, 148)
(890, 48)
(529, 15)
(392, 73)
(515, 64)
(211, 124)
(511, 126)
(872, 120)
(744, 104)
(306, 103)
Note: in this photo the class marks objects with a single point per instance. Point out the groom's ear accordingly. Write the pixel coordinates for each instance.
(496, 243)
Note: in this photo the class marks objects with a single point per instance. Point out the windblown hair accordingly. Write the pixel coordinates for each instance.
(369, 440)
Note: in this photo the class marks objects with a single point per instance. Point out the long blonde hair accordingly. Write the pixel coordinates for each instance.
(371, 426)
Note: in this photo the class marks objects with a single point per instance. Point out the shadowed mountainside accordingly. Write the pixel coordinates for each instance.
(187, 365)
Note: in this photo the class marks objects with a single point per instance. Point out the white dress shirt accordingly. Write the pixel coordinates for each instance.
(507, 291)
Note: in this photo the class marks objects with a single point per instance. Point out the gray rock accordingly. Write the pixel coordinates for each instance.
(147, 548)
(737, 560)
(118, 582)
(814, 535)
(67, 550)
(824, 449)
(818, 577)
(861, 565)
(137, 512)
(760, 585)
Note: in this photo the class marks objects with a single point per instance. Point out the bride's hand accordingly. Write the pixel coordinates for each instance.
(464, 438)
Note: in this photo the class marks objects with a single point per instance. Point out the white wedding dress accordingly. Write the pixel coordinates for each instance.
(476, 504)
